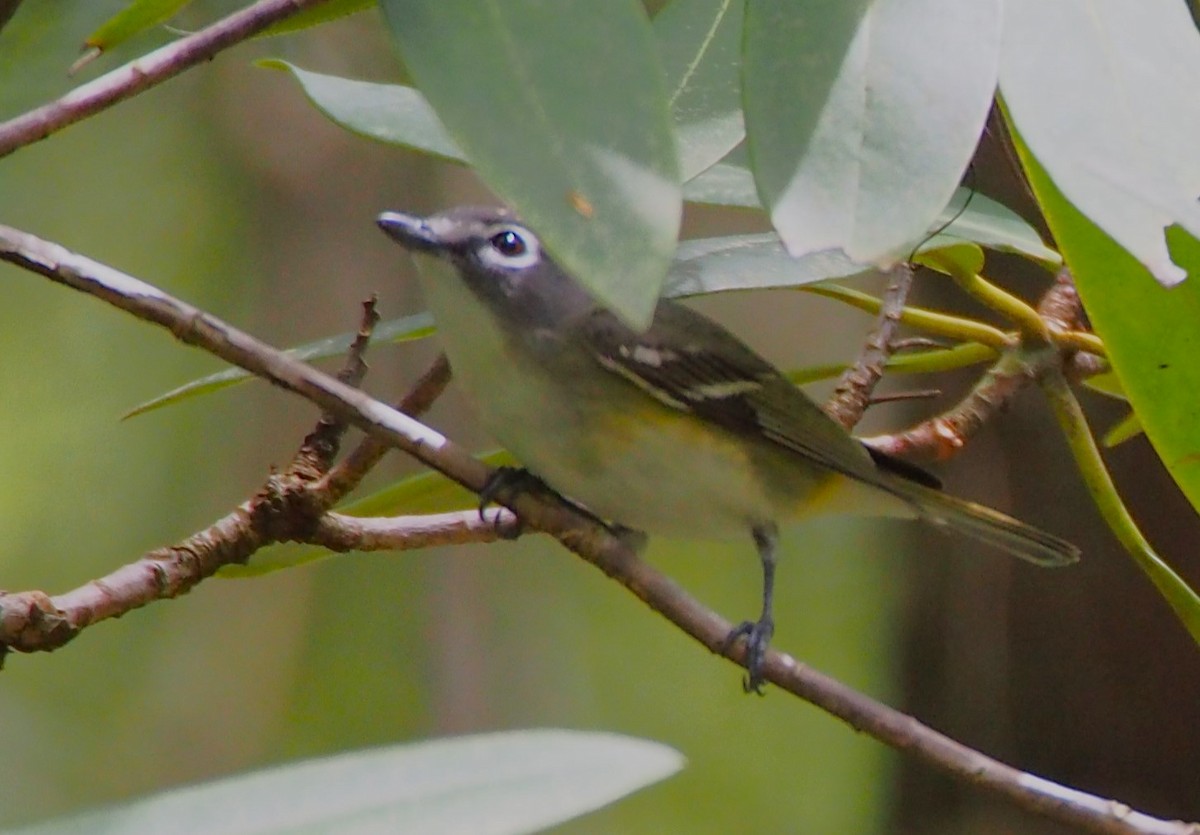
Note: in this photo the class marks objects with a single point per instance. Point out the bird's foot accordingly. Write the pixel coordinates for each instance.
(758, 638)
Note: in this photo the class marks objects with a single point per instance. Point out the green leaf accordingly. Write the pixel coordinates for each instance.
(1127, 427)
(518, 781)
(562, 110)
(970, 216)
(750, 262)
(134, 19)
(1123, 430)
(390, 113)
(1151, 334)
(316, 15)
(699, 43)
(859, 132)
(723, 184)
(977, 218)
(396, 330)
(1096, 91)
(955, 259)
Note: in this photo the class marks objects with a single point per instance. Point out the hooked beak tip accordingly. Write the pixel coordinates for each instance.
(410, 231)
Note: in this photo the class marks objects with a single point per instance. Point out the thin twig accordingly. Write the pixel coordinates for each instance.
(144, 72)
(943, 435)
(406, 533)
(350, 471)
(853, 393)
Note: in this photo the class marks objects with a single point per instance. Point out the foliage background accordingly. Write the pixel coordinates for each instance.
(228, 189)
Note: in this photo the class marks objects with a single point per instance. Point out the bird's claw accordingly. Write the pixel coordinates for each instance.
(758, 638)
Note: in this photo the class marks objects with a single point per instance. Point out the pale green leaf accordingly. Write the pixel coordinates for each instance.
(1102, 93)
(489, 784)
(699, 43)
(390, 113)
(562, 109)
(859, 131)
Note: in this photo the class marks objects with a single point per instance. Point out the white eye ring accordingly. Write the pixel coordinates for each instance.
(510, 247)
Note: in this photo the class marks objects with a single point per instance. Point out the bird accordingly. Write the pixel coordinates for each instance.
(678, 430)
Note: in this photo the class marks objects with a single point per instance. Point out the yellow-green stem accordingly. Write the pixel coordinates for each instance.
(1070, 416)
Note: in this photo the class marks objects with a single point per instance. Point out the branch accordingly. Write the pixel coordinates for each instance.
(943, 435)
(853, 393)
(145, 72)
(576, 531)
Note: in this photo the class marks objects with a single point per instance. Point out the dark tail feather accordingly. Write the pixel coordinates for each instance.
(990, 526)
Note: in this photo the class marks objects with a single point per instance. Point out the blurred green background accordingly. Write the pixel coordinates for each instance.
(227, 189)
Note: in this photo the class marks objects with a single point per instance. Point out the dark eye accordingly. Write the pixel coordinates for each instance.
(508, 243)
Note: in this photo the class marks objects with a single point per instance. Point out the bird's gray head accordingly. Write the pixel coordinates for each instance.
(500, 259)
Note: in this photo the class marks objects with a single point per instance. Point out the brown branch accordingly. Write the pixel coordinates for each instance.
(406, 533)
(347, 474)
(943, 435)
(584, 536)
(144, 72)
(853, 393)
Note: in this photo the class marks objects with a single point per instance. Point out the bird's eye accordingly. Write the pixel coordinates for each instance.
(509, 247)
(508, 243)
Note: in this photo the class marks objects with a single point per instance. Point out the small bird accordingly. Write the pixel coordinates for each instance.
(680, 430)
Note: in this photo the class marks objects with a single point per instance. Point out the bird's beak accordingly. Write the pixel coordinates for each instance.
(411, 232)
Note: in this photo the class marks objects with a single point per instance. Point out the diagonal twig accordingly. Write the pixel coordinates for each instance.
(146, 71)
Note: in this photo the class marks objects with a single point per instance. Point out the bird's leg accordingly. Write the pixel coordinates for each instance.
(758, 633)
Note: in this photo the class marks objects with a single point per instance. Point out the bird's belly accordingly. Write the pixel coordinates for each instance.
(644, 465)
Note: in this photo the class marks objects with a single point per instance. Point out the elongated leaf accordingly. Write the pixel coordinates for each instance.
(699, 42)
(316, 15)
(390, 113)
(396, 330)
(134, 19)
(750, 262)
(1097, 90)
(859, 131)
(562, 109)
(1127, 427)
(514, 782)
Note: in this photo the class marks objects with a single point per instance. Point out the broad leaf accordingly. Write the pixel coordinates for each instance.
(699, 42)
(390, 113)
(859, 132)
(562, 110)
(490, 784)
(1101, 91)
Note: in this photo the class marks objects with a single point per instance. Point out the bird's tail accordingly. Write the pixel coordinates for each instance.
(987, 525)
